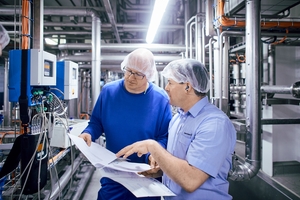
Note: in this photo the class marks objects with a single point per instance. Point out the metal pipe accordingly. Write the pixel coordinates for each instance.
(6, 103)
(220, 41)
(125, 47)
(38, 20)
(64, 180)
(209, 27)
(191, 39)
(279, 89)
(251, 166)
(272, 65)
(88, 171)
(202, 46)
(96, 55)
(112, 20)
(186, 35)
(116, 58)
(211, 40)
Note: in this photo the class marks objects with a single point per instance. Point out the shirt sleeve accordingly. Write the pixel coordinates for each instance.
(94, 127)
(211, 145)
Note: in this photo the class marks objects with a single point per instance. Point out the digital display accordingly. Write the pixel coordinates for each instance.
(48, 68)
(74, 75)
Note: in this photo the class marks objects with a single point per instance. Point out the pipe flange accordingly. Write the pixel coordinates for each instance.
(296, 89)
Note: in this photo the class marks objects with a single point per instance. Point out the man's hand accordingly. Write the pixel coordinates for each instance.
(152, 173)
(140, 148)
(87, 138)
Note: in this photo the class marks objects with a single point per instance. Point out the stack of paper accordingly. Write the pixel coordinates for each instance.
(121, 171)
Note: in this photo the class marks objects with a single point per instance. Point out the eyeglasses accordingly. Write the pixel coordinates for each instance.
(136, 75)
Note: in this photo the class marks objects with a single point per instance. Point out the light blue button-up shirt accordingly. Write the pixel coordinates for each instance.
(205, 138)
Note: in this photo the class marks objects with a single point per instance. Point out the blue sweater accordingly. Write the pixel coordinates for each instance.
(126, 118)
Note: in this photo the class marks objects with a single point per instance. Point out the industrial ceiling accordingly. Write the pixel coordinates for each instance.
(124, 25)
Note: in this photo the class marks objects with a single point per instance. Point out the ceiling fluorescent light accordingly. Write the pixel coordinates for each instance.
(157, 14)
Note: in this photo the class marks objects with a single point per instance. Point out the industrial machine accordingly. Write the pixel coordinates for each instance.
(38, 88)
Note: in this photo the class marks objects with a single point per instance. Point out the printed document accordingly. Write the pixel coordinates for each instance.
(121, 171)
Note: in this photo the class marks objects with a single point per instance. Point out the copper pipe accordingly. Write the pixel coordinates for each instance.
(225, 21)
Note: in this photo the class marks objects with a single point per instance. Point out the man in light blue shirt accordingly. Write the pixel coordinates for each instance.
(201, 138)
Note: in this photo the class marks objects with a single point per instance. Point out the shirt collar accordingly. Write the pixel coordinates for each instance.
(195, 109)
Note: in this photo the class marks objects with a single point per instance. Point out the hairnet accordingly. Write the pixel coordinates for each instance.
(141, 60)
(188, 70)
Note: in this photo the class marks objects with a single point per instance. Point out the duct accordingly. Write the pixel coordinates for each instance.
(111, 18)
(253, 105)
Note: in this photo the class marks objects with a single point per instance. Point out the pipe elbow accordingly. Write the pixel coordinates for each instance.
(244, 171)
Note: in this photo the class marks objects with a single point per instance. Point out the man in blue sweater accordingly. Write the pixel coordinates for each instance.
(201, 138)
(127, 111)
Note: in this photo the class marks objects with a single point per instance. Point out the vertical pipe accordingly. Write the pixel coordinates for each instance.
(191, 39)
(211, 68)
(253, 83)
(220, 39)
(225, 75)
(265, 54)
(187, 36)
(199, 34)
(6, 103)
(209, 27)
(272, 67)
(38, 24)
(203, 43)
(96, 54)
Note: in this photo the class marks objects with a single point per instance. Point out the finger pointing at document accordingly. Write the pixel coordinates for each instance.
(141, 148)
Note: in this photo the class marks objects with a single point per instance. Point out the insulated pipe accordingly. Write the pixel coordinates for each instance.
(96, 55)
(225, 21)
(253, 95)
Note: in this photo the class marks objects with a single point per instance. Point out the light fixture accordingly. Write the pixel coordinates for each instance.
(51, 41)
(157, 14)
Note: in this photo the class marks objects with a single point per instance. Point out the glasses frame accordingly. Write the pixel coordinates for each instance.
(136, 75)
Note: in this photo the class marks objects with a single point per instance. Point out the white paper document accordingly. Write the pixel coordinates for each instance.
(121, 171)
(137, 184)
